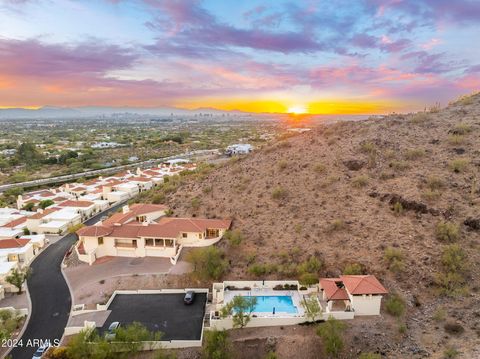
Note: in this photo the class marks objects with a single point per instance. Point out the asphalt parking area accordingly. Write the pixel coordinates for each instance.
(160, 312)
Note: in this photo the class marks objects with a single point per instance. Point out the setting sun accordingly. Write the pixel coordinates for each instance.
(297, 110)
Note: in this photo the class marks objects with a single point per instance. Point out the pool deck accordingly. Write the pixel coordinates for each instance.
(263, 292)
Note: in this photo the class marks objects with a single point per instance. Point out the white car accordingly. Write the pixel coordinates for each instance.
(40, 351)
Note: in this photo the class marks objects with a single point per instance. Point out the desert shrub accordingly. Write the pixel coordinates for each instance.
(395, 305)
(360, 181)
(320, 168)
(399, 166)
(394, 259)
(258, 269)
(195, 203)
(353, 268)
(337, 225)
(368, 147)
(402, 328)
(420, 117)
(208, 262)
(284, 144)
(462, 129)
(447, 231)
(414, 154)
(459, 165)
(435, 183)
(271, 355)
(282, 165)
(158, 198)
(398, 208)
(452, 278)
(279, 193)
(311, 265)
(450, 353)
(456, 139)
(440, 314)
(370, 356)
(234, 237)
(331, 332)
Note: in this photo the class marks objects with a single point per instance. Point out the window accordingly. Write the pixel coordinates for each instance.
(158, 242)
(149, 241)
(184, 235)
(100, 240)
(169, 242)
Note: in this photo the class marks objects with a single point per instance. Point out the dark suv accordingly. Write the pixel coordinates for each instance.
(189, 297)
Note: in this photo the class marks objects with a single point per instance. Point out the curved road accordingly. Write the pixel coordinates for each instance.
(49, 294)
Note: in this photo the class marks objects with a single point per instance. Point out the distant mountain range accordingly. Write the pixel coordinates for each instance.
(79, 112)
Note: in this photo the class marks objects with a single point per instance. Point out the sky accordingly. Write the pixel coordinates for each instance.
(320, 57)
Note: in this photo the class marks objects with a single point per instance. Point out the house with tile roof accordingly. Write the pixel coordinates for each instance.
(142, 231)
(361, 294)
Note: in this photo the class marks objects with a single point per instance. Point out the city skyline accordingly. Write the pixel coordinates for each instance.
(314, 57)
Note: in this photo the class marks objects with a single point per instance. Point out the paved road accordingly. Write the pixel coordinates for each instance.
(49, 293)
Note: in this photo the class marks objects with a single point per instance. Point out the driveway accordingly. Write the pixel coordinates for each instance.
(84, 277)
(160, 312)
(49, 294)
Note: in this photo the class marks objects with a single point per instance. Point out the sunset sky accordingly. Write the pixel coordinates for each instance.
(370, 56)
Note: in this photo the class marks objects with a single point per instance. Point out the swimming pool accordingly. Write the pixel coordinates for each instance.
(281, 303)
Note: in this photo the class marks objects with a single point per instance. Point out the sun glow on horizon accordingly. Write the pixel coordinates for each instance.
(297, 110)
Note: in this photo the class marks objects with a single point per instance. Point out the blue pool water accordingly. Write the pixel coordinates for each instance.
(281, 303)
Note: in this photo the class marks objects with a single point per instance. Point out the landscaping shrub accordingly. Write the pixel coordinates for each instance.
(216, 345)
(395, 305)
(447, 231)
(331, 333)
(208, 262)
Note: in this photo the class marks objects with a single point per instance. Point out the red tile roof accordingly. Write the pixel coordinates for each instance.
(195, 224)
(13, 243)
(334, 289)
(15, 222)
(95, 231)
(140, 179)
(83, 204)
(362, 284)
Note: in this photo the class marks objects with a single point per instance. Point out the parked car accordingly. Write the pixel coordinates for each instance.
(40, 351)
(111, 332)
(189, 297)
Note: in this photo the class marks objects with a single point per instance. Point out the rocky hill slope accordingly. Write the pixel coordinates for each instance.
(389, 196)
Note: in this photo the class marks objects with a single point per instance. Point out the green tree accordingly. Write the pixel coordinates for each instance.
(312, 308)
(18, 277)
(208, 262)
(29, 206)
(240, 308)
(234, 237)
(331, 333)
(395, 305)
(45, 203)
(216, 345)
(28, 153)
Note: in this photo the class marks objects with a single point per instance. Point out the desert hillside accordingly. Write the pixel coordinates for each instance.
(386, 195)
